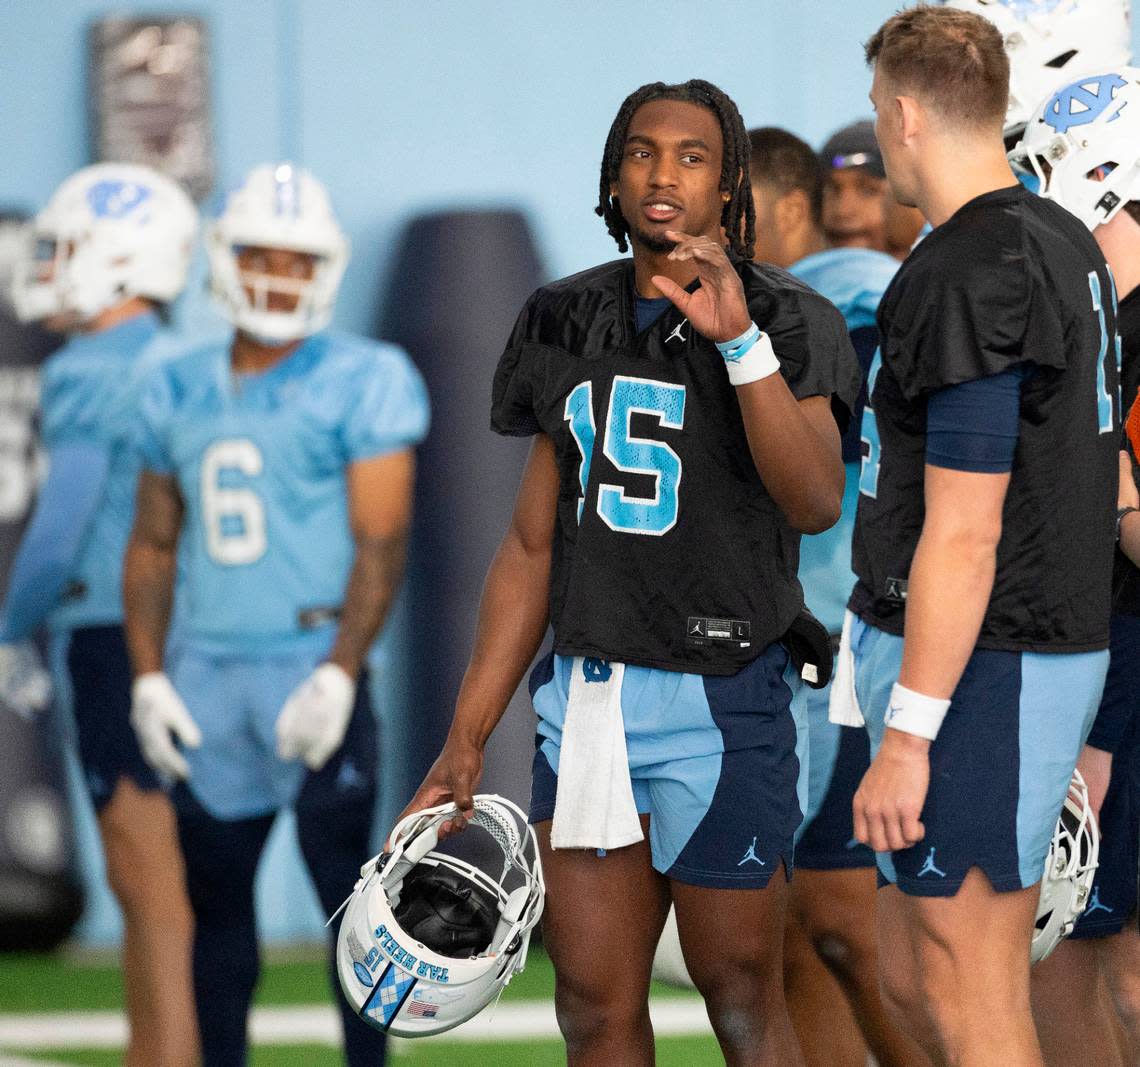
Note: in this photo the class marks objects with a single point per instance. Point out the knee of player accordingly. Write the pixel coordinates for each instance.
(587, 1009)
(1124, 985)
(738, 994)
(846, 954)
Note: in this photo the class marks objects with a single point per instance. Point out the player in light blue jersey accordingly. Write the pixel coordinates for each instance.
(831, 917)
(277, 484)
(112, 245)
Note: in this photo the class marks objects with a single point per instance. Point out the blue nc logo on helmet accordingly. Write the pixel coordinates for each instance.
(1084, 102)
(112, 199)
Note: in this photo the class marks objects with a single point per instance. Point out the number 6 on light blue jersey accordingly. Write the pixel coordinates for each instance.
(653, 515)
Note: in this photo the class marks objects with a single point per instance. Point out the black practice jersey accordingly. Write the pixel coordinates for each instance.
(1010, 279)
(1127, 578)
(668, 550)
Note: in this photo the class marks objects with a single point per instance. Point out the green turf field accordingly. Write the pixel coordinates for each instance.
(31, 985)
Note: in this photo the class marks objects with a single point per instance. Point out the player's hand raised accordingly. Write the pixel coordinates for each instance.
(452, 779)
(158, 716)
(313, 721)
(888, 803)
(718, 309)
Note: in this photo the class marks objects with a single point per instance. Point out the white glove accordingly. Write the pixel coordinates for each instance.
(25, 686)
(312, 723)
(157, 712)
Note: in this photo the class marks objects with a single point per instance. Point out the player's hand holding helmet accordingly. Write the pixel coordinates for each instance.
(1082, 143)
(158, 716)
(25, 686)
(313, 721)
(110, 232)
(1070, 869)
(278, 207)
(427, 940)
(1050, 41)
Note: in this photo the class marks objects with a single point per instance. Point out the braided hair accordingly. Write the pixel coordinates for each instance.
(739, 215)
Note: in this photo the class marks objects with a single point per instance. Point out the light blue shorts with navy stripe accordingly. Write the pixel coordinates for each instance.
(718, 764)
(1000, 766)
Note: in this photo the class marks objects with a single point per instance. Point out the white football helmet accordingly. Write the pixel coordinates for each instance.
(427, 940)
(1069, 871)
(278, 206)
(110, 232)
(1083, 145)
(1052, 41)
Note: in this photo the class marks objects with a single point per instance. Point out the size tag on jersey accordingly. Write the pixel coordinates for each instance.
(701, 630)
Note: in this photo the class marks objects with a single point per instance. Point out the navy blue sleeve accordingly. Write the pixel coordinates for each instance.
(973, 426)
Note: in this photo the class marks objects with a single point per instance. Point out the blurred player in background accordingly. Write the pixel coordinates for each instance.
(857, 209)
(678, 453)
(1082, 146)
(111, 248)
(993, 404)
(277, 481)
(832, 902)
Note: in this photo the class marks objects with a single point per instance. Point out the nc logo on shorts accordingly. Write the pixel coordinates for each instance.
(596, 670)
(1084, 102)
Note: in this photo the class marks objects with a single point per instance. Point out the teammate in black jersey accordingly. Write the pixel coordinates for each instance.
(657, 530)
(1096, 121)
(985, 532)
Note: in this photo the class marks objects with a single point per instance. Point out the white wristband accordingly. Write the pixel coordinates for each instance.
(759, 361)
(914, 713)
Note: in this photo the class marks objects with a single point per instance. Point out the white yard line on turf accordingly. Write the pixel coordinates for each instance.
(521, 1021)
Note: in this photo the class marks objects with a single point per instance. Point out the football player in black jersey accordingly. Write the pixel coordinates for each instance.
(686, 406)
(831, 908)
(1082, 144)
(983, 543)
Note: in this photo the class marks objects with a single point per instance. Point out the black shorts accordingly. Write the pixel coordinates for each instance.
(100, 672)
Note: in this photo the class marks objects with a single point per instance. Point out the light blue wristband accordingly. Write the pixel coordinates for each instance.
(736, 349)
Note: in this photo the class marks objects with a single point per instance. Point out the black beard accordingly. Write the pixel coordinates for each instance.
(650, 241)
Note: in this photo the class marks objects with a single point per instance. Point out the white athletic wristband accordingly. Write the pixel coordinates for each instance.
(914, 713)
(749, 357)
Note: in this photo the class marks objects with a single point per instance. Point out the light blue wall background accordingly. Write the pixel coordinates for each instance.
(405, 107)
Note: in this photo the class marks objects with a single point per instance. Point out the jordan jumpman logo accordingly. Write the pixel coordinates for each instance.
(676, 334)
(1095, 904)
(751, 855)
(929, 868)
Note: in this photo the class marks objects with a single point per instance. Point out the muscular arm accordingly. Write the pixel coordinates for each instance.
(149, 569)
(795, 446)
(513, 616)
(513, 613)
(951, 577)
(52, 544)
(380, 508)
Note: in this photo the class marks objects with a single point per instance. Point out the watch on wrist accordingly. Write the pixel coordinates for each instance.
(1120, 518)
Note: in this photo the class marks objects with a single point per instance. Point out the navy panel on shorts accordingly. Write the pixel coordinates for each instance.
(100, 672)
(1000, 766)
(828, 843)
(716, 762)
(1114, 894)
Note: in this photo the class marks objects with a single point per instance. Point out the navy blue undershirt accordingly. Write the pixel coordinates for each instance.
(973, 426)
(647, 310)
